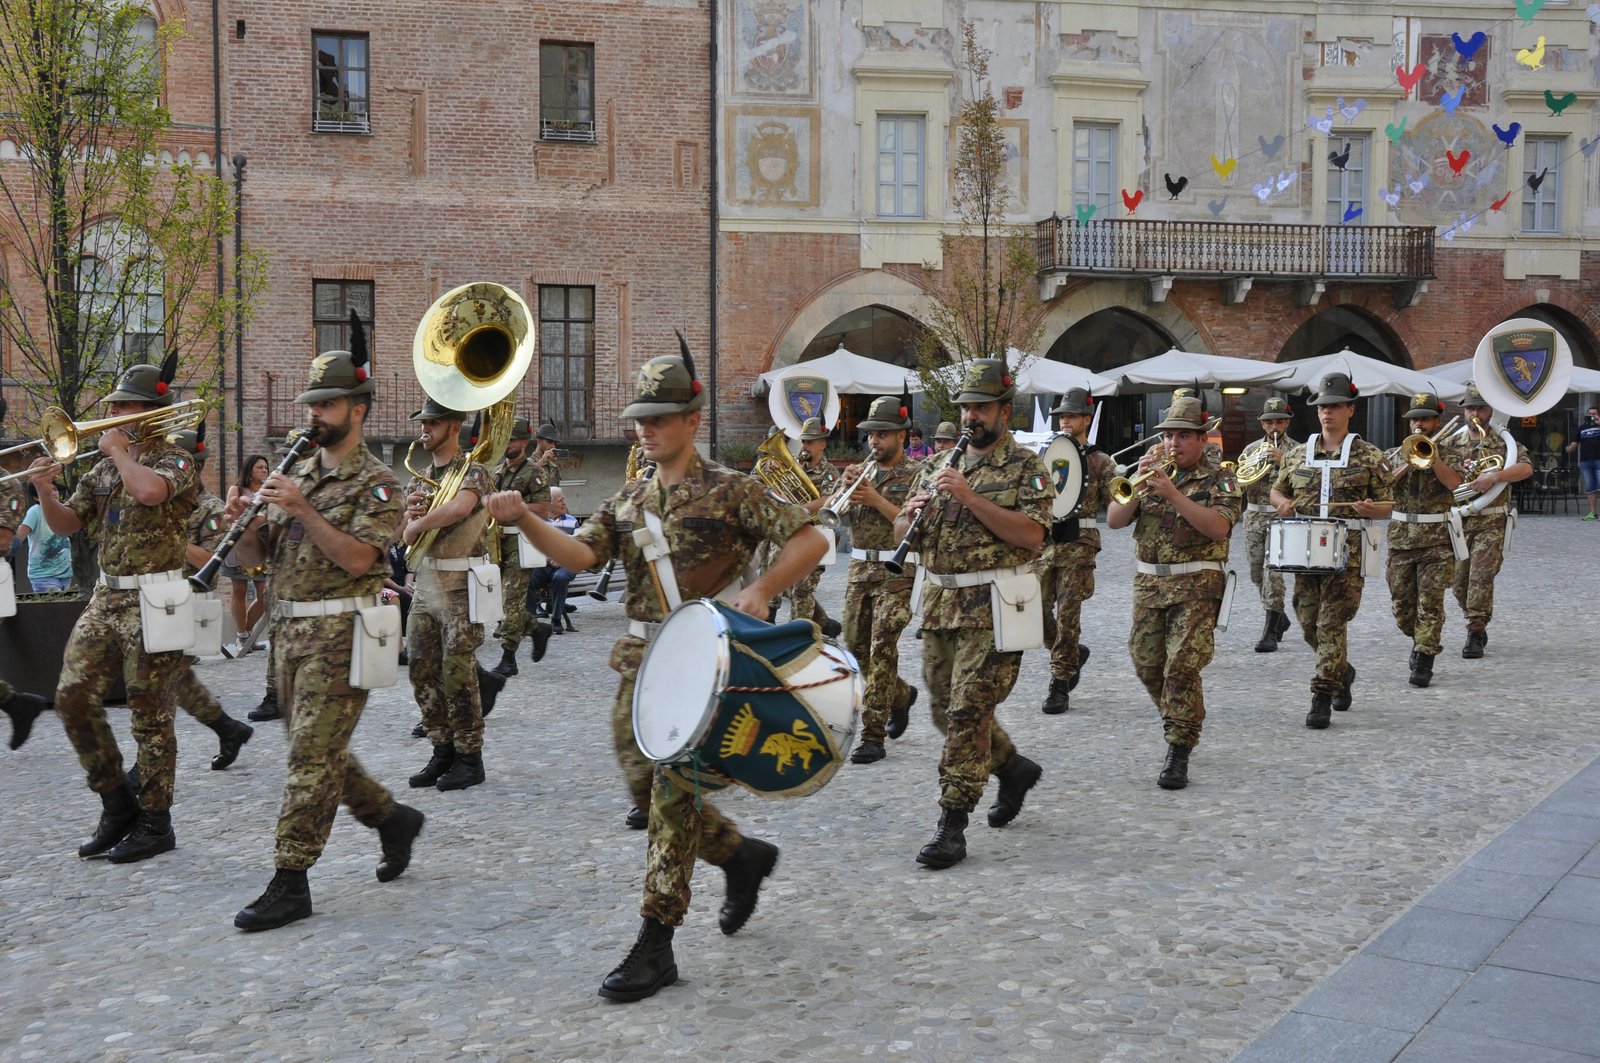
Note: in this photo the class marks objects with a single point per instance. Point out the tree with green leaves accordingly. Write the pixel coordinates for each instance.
(986, 299)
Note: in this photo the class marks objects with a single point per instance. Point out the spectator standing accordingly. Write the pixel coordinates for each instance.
(1588, 447)
(49, 553)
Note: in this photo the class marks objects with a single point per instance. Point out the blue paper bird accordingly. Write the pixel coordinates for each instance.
(1468, 48)
(1351, 213)
(1450, 101)
(1508, 136)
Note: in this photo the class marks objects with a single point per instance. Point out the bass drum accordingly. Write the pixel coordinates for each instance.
(1064, 461)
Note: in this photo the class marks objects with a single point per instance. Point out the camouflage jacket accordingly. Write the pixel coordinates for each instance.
(871, 530)
(713, 521)
(206, 526)
(954, 540)
(1366, 477)
(823, 475)
(466, 537)
(1419, 491)
(1098, 472)
(361, 498)
(134, 538)
(528, 478)
(1474, 453)
(1162, 536)
(13, 504)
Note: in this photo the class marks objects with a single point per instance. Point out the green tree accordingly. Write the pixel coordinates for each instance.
(986, 301)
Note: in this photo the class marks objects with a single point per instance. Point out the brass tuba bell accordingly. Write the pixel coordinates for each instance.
(474, 346)
(777, 467)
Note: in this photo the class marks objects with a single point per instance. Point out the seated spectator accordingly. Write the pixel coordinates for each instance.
(551, 576)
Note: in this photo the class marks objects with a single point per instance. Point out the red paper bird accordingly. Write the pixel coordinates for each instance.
(1501, 202)
(1132, 202)
(1457, 162)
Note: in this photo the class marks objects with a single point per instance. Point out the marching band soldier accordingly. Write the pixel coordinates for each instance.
(136, 501)
(711, 519)
(1182, 524)
(1486, 530)
(1258, 514)
(945, 436)
(803, 595)
(1421, 564)
(1067, 567)
(518, 472)
(988, 524)
(1334, 466)
(442, 641)
(544, 453)
(330, 520)
(877, 604)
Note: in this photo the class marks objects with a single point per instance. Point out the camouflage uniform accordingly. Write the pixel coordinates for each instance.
(1325, 605)
(107, 640)
(965, 675)
(527, 478)
(312, 654)
(803, 595)
(1258, 515)
(13, 504)
(206, 528)
(877, 605)
(713, 520)
(1175, 616)
(1066, 569)
(1486, 540)
(1421, 563)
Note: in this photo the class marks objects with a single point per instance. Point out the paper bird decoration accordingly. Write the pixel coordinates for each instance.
(1557, 104)
(1224, 167)
(1323, 125)
(1215, 206)
(1270, 148)
(1086, 212)
(1175, 188)
(1457, 162)
(1416, 182)
(1391, 196)
(1468, 48)
(1450, 101)
(1351, 213)
(1526, 9)
(1588, 146)
(1508, 135)
(1500, 203)
(1351, 111)
(1132, 202)
(1409, 81)
(1340, 159)
(1537, 179)
(1395, 132)
(1532, 58)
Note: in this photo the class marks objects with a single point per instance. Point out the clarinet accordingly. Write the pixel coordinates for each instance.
(201, 581)
(897, 564)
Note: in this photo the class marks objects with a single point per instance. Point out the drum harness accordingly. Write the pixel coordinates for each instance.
(1326, 494)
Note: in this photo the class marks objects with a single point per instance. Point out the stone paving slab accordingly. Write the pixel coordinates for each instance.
(1111, 921)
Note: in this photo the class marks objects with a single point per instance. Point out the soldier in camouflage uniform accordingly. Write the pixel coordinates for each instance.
(442, 641)
(712, 519)
(544, 454)
(136, 502)
(1066, 569)
(945, 436)
(206, 529)
(1333, 466)
(877, 604)
(1258, 515)
(1182, 523)
(518, 472)
(327, 525)
(820, 471)
(988, 523)
(1421, 563)
(1486, 529)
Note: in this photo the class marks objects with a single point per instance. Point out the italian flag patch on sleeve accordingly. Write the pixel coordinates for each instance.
(1037, 482)
(382, 493)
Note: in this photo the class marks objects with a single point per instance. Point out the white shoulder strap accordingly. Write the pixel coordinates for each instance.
(652, 542)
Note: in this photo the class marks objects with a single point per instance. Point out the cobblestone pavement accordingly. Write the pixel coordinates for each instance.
(1112, 920)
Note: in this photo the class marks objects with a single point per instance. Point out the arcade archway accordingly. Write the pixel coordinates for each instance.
(1335, 329)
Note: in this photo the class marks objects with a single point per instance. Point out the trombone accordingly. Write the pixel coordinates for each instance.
(60, 437)
(1419, 451)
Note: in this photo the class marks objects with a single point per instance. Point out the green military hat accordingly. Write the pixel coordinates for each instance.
(1076, 400)
(520, 429)
(666, 384)
(146, 383)
(946, 430)
(434, 410)
(813, 428)
(1425, 404)
(548, 431)
(1186, 413)
(1336, 388)
(987, 380)
(340, 374)
(1474, 397)
(887, 414)
(191, 439)
(1274, 409)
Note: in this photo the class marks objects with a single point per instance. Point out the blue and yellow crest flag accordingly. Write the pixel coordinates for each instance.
(1525, 359)
(806, 396)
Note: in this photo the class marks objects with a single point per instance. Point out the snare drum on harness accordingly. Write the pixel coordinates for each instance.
(723, 698)
(1307, 544)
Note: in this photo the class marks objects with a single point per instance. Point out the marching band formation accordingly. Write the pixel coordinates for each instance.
(987, 545)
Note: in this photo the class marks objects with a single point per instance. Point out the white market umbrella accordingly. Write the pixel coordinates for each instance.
(1176, 368)
(849, 374)
(1583, 382)
(1371, 376)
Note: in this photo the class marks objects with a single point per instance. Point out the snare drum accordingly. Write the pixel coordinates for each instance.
(723, 698)
(1307, 544)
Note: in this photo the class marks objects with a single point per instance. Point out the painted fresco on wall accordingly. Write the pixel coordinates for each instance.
(772, 48)
(1425, 152)
(773, 156)
(1448, 73)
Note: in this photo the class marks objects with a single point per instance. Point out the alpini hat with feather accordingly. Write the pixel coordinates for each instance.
(986, 380)
(191, 439)
(889, 414)
(666, 384)
(340, 374)
(146, 383)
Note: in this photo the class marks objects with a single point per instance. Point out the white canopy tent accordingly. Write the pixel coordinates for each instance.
(1583, 382)
(1042, 376)
(1371, 376)
(850, 374)
(1176, 368)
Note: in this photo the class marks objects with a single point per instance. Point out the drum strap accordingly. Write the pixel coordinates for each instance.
(1259, 507)
(652, 542)
(1327, 465)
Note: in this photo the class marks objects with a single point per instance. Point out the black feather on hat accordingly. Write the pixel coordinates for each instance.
(477, 424)
(358, 346)
(905, 399)
(169, 371)
(200, 437)
(688, 362)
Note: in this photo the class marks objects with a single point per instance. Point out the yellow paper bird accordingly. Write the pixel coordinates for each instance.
(1532, 58)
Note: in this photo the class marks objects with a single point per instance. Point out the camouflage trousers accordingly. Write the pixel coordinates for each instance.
(517, 623)
(193, 697)
(1268, 581)
(441, 646)
(1170, 647)
(320, 711)
(874, 616)
(966, 679)
(1418, 580)
(802, 595)
(683, 825)
(1474, 577)
(107, 642)
(1325, 605)
(1068, 586)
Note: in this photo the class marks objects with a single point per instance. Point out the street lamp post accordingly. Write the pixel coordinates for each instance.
(238, 303)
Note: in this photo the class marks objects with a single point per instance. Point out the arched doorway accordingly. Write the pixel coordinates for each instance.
(872, 332)
(1101, 342)
(1335, 329)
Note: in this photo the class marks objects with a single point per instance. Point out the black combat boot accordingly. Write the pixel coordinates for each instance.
(1175, 772)
(749, 865)
(949, 844)
(466, 771)
(151, 836)
(1477, 639)
(443, 757)
(1057, 700)
(286, 900)
(508, 663)
(867, 753)
(119, 812)
(900, 716)
(1283, 623)
(647, 967)
(231, 736)
(831, 628)
(638, 818)
(23, 710)
(541, 640)
(489, 687)
(1421, 669)
(267, 710)
(1017, 776)
(1083, 659)
(1341, 700)
(1321, 714)
(1269, 635)
(396, 834)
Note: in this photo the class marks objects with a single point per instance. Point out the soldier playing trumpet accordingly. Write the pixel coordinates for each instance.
(1420, 561)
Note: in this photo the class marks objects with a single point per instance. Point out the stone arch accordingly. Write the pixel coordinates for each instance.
(1128, 296)
(853, 291)
(1346, 325)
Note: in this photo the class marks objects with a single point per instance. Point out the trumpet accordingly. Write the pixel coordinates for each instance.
(1124, 490)
(896, 565)
(1419, 451)
(830, 513)
(60, 436)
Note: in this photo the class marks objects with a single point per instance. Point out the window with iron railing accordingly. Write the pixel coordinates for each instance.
(566, 92)
(340, 80)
